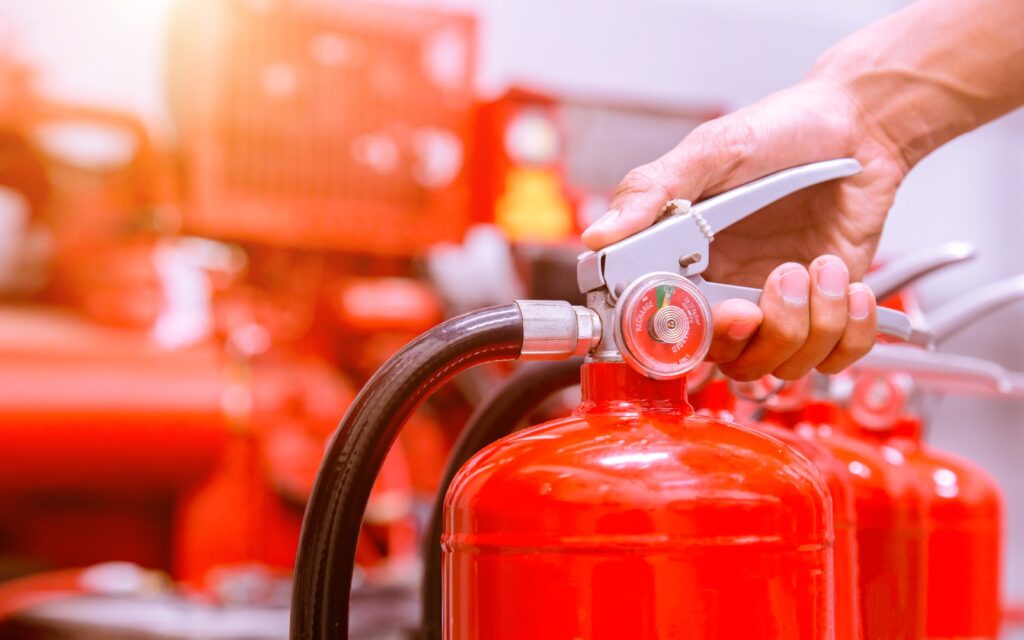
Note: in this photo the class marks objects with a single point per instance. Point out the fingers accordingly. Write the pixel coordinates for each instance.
(785, 304)
(701, 159)
(861, 328)
(637, 201)
(806, 319)
(735, 322)
(829, 280)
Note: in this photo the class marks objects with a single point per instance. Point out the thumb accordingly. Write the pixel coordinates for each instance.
(699, 161)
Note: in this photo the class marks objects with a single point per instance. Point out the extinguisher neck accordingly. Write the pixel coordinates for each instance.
(715, 397)
(788, 418)
(615, 386)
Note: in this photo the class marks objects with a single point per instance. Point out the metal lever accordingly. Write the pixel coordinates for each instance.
(892, 277)
(943, 372)
(724, 210)
(890, 322)
(680, 244)
(963, 311)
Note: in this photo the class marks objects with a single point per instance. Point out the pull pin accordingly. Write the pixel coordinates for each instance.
(684, 208)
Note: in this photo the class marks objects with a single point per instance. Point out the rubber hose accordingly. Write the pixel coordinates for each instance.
(326, 556)
(497, 416)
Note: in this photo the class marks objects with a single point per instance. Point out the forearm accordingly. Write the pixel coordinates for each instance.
(933, 71)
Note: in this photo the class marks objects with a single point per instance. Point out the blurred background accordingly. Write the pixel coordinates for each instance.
(217, 218)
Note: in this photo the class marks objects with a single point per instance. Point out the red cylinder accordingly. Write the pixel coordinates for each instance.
(964, 538)
(113, 424)
(715, 399)
(637, 519)
(890, 527)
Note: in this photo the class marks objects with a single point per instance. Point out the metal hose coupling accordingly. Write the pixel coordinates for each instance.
(555, 329)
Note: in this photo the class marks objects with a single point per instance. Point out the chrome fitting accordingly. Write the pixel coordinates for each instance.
(555, 330)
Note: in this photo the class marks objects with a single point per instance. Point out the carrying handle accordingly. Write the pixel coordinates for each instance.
(680, 243)
(943, 372)
(960, 313)
(890, 278)
(728, 208)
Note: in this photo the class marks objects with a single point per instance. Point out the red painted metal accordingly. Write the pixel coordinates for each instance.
(120, 423)
(637, 519)
(560, 156)
(891, 522)
(100, 430)
(342, 126)
(965, 518)
(715, 399)
(185, 460)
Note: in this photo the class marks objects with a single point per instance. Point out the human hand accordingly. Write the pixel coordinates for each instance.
(807, 317)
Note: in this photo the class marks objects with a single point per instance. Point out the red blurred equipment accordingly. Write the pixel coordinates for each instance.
(546, 164)
(339, 126)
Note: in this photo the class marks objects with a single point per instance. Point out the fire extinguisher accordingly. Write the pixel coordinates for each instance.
(963, 509)
(964, 503)
(888, 507)
(890, 516)
(890, 512)
(521, 395)
(717, 398)
(635, 518)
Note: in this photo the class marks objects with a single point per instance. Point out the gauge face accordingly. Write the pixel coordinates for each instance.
(879, 400)
(663, 325)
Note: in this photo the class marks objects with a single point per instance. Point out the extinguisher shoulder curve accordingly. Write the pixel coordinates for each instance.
(650, 479)
(955, 485)
(828, 465)
(886, 490)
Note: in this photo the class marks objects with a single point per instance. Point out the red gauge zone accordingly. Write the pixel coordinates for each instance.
(665, 326)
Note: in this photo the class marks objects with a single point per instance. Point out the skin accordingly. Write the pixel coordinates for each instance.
(888, 96)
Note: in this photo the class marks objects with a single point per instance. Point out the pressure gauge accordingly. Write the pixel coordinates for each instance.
(663, 325)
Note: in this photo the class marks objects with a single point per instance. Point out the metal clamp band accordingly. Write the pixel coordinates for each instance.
(553, 330)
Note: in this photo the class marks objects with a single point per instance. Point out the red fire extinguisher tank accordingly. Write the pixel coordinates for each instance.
(715, 399)
(637, 519)
(964, 513)
(964, 542)
(890, 528)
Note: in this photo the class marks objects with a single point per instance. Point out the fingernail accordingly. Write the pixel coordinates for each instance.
(794, 286)
(832, 278)
(741, 330)
(607, 219)
(860, 304)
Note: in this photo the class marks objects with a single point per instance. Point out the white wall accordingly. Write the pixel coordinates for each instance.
(718, 52)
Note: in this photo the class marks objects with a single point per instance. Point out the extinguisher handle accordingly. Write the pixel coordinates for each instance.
(960, 313)
(890, 278)
(892, 323)
(943, 372)
(680, 242)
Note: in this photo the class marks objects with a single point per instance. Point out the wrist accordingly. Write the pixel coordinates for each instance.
(881, 101)
(918, 92)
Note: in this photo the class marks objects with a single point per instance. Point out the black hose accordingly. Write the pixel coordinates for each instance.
(326, 557)
(499, 415)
